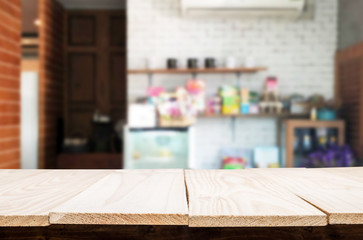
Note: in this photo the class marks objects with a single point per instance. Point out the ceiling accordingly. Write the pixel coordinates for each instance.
(93, 4)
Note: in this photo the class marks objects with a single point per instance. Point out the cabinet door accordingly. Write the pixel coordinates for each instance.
(96, 68)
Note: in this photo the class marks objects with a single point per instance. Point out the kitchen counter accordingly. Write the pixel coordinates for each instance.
(182, 204)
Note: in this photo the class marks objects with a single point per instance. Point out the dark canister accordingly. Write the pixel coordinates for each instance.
(192, 63)
(210, 63)
(172, 63)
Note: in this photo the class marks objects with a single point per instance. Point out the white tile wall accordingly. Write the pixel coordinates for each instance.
(301, 53)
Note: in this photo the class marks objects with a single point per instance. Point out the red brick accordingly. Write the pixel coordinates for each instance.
(11, 8)
(9, 132)
(9, 120)
(9, 156)
(6, 95)
(9, 144)
(9, 83)
(51, 78)
(7, 108)
(11, 165)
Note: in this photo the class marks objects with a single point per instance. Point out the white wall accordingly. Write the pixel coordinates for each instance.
(29, 120)
(300, 53)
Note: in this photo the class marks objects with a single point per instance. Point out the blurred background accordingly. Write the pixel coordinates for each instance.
(208, 84)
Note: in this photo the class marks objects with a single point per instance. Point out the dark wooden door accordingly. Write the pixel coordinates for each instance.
(95, 68)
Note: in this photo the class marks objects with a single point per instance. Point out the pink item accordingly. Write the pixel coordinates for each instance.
(271, 83)
(195, 86)
(155, 91)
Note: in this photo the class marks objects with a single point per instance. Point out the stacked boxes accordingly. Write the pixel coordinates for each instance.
(235, 101)
(245, 101)
(230, 100)
(254, 103)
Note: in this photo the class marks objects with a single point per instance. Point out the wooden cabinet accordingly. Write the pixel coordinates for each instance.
(289, 137)
(348, 90)
(89, 161)
(95, 68)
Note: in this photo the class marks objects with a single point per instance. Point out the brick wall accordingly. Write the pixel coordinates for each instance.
(301, 53)
(51, 62)
(10, 30)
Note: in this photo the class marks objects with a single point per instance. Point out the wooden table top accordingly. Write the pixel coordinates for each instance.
(197, 198)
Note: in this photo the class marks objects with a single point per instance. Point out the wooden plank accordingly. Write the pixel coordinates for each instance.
(129, 197)
(353, 173)
(238, 198)
(27, 201)
(283, 115)
(197, 70)
(306, 123)
(334, 192)
(9, 176)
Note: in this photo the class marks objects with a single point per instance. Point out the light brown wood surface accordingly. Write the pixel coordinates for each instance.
(338, 193)
(131, 197)
(28, 197)
(11, 176)
(217, 198)
(239, 198)
(355, 173)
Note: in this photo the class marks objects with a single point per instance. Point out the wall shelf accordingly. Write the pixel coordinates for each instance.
(197, 70)
(282, 115)
(194, 72)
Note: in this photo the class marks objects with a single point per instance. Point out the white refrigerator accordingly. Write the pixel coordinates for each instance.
(158, 148)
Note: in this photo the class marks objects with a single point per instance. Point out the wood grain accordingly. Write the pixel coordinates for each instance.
(223, 198)
(27, 200)
(353, 173)
(217, 198)
(337, 192)
(129, 197)
(11, 176)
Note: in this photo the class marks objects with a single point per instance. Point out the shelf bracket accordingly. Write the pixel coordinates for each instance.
(238, 80)
(233, 129)
(194, 75)
(150, 79)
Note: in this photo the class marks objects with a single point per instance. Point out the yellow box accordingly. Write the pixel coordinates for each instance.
(230, 109)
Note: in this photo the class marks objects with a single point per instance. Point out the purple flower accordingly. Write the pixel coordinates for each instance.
(332, 156)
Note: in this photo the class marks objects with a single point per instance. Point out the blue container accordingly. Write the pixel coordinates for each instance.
(245, 108)
(326, 114)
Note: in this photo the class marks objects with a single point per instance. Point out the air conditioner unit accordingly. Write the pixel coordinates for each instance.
(287, 8)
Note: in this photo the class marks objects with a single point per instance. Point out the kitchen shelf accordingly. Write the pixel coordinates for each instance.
(282, 115)
(197, 70)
